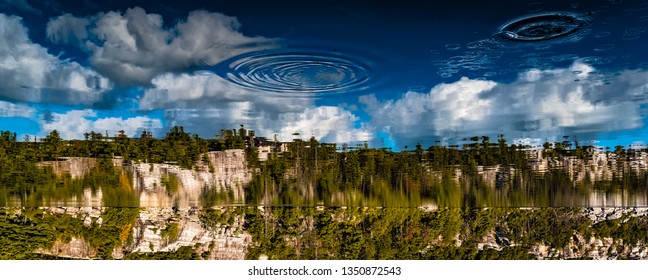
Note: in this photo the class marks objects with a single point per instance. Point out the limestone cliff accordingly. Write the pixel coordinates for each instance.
(221, 242)
(228, 172)
(76, 167)
(167, 184)
(150, 234)
(157, 230)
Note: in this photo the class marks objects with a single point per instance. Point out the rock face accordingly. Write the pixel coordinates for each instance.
(225, 173)
(594, 166)
(77, 167)
(150, 234)
(216, 172)
(75, 249)
(223, 242)
(228, 172)
(218, 242)
(606, 214)
(579, 246)
(593, 248)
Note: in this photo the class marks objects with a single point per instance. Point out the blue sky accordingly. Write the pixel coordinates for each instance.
(391, 74)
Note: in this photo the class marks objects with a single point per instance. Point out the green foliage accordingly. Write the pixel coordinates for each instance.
(183, 253)
(215, 218)
(116, 230)
(22, 234)
(170, 182)
(409, 233)
(368, 233)
(309, 173)
(629, 229)
(171, 232)
(332, 233)
(313, 173)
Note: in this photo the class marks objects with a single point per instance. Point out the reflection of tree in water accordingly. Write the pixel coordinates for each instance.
(329, 233)
(480, 173)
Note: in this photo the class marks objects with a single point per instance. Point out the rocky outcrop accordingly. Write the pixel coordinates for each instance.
(582, 247)
(216, 242)
(223, 171)
(220, 242)
(606, 214)
(166, 184)
(77, 248)
(87, 214)
(152, 233)
(76, 167)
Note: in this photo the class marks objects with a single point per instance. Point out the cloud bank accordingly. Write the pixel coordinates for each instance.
(204, 103)
(8, 109)
(574, 100)
(29, 73)
(75, 123)
(133, 47)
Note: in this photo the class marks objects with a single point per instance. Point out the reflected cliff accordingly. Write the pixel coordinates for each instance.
(364, 177)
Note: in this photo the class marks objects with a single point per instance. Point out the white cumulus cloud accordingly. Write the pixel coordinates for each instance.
(204, 103)
(325, 123)
(8, 109)
(75, 123)
(133, 47)
(68, 29)
(29, 73)
(540, 103)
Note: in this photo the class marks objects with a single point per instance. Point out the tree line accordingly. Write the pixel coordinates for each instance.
(308, 169)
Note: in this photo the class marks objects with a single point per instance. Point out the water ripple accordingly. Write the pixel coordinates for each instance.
(300, 73)
(542, 27)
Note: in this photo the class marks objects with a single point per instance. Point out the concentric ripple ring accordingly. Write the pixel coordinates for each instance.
(299, 74)
(541, 27)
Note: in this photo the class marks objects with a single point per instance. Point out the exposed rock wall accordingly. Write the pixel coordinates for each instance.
(77, 248)
(222, 171)
(579, 246)
(228, 172)
(222, 241)
(77, 167)
(605, 248)
(231, 241)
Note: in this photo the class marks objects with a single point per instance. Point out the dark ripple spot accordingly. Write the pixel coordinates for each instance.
(453, 47)
(602, 34)
(604, 47)
(300, 73)
(564, 57)
(633, 33)
(542, 27)
(595, 60)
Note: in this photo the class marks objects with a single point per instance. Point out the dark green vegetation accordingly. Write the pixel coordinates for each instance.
(336, 233)
(23, 177)
(292, 233)
(24, 232)
(184, 253)
(453, 233)
(308, 173)
(312, 173)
